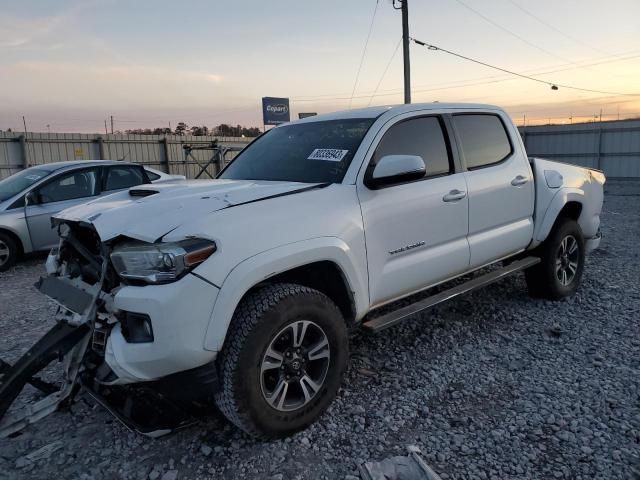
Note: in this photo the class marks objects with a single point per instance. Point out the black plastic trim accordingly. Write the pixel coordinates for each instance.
(205, 280)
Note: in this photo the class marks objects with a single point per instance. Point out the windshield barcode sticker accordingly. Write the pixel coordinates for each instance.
(329, 154)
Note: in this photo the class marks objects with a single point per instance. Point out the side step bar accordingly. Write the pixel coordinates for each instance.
(387, 320)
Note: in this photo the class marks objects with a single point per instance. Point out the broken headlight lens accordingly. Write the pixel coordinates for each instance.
(160, 262)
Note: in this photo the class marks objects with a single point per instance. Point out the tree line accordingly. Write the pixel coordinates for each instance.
(222, 130)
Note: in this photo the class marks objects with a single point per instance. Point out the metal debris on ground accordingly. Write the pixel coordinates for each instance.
(411, 467)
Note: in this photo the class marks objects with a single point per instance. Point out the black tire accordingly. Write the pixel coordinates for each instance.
(9, 252)
(259, 321)
(545, 280)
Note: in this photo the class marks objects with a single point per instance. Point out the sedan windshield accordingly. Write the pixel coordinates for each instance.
(18, 182)
(314, 152)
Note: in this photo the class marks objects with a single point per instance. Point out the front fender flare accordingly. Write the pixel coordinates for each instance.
(260, 267)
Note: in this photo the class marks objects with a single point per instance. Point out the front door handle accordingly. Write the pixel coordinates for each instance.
(454, 195)
(519, 180)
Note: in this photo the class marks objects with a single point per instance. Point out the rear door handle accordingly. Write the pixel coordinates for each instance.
(454, 195)
(519, 180)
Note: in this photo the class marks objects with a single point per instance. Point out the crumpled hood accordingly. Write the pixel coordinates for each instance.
(150, 217)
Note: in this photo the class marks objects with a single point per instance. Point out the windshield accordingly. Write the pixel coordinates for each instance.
(315, 152)
(18, 182)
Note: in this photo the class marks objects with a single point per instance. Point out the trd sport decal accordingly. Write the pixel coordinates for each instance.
(405, 248)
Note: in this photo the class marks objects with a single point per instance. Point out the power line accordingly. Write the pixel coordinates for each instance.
(553, 85)
(364, 51)
(513, 34)
(555, 29)
(475, 82)
(393, 55)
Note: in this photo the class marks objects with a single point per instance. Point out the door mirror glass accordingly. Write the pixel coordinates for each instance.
(31, 198)
(397, 168)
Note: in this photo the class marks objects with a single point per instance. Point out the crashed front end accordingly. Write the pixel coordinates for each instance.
(132, 315)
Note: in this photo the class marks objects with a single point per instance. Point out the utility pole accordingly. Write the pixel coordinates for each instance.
(106, 132)
(405, 52)
(111, 124)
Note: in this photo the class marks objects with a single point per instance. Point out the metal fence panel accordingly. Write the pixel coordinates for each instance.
(611, 146)
(156, 151)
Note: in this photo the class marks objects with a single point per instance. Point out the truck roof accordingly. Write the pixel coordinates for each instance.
(374, 112)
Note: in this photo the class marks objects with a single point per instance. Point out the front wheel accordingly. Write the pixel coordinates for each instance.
(283, 360)
(8, 252)
(559, 273)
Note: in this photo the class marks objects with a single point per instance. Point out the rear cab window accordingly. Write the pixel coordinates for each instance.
(483, 138)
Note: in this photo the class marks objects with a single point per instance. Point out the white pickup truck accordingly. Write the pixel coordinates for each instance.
(248, 284)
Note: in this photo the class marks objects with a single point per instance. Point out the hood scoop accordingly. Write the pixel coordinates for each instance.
(142, 192)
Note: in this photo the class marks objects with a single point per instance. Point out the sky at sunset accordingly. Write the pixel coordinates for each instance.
(72, 64)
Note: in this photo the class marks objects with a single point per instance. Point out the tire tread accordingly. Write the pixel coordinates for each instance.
(247, 316)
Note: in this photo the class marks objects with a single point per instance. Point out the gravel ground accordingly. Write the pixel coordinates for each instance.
(491, 386)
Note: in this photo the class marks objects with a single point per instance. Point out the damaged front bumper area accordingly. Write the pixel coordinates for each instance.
(133, 348)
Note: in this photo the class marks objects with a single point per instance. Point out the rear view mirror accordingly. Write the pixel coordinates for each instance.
(396, 168)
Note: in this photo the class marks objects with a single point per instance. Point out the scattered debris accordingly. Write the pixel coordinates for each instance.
(411, 467)
(555, 330)
(367, 373)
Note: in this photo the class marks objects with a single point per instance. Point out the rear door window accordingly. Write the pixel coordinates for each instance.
(484, 139)
(121, 177)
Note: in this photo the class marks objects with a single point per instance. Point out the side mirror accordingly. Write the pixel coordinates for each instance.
(32, 198)
(396, 168)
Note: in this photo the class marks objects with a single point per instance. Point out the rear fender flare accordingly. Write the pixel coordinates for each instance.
(559, 200)
(259, 268)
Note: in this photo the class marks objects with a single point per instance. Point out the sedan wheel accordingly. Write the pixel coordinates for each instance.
(4, 253)
(8, 252)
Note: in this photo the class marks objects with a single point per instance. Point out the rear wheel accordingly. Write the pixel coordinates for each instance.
(283, 360)
(559, 273)
(8, 252)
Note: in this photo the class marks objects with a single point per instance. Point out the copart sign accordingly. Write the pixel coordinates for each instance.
(275, 110)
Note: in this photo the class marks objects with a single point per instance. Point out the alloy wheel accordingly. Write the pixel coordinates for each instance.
(567, 260)
(295, 365)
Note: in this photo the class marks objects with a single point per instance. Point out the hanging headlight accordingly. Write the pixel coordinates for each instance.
(160, 262)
